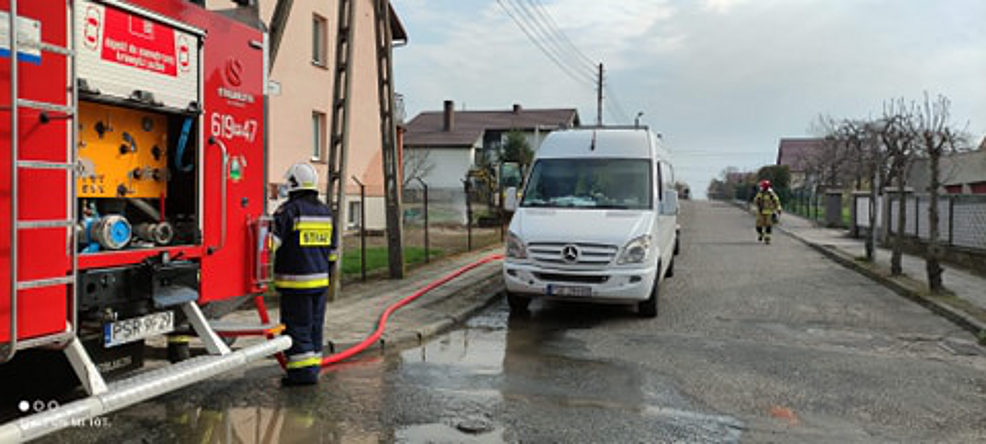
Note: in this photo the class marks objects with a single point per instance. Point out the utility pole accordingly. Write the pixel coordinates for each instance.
(335, 192)
(388, 131)
(282, 9)
(599, 97)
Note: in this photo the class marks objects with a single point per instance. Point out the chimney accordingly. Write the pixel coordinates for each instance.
(517, 108)
(449, 115)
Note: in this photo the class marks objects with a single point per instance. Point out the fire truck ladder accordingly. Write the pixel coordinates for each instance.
(49, 111)
(335, 191)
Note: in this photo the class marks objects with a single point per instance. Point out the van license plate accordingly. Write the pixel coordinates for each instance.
(135, 329)
(569, 290)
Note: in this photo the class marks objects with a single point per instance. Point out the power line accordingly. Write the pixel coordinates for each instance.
(621, 114)
(543, 12)
(547, 38)
(543, 31)
(571, 53)
(572, 74)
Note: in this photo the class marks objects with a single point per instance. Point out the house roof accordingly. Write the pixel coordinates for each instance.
(427, 129)
(398, 32)
(956, 169)
(795, 152)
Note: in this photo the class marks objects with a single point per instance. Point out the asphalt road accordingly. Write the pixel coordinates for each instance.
(753, 343)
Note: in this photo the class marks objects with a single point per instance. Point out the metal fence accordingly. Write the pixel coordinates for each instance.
(961, 218)
(449, 220)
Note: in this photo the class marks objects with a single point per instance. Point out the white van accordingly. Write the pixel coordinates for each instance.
(596, 221)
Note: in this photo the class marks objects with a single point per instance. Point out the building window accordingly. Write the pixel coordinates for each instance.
(318, 136)
(318, 40)
(354, 207)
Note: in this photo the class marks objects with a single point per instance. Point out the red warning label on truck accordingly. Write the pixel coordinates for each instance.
(138, 42)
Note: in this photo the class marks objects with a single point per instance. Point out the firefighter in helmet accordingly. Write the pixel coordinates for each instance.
(305, 253)
(768, 207)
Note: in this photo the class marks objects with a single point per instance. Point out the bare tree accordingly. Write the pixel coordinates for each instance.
(936, 136)
(899, 142)
(416, 165)
(830, 163)
(862, 141)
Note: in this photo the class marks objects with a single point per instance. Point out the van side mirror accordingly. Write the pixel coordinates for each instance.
(510, 199)
(669, 206)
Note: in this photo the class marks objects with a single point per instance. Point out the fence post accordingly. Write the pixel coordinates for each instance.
(362, 229)
(468, 216)
(814, 206)
(424, 186)
(499, 210)
(917, 216)
(800, 204)
(951, 218)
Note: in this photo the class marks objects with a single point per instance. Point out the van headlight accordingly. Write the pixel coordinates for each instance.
(515, 247)
(635, 251)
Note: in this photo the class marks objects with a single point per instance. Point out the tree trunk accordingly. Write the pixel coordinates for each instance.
(934, 253)
(898, 245)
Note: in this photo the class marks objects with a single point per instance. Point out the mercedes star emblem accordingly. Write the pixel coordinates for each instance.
(570, 254)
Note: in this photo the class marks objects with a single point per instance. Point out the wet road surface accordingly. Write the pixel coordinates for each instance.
(753, 343)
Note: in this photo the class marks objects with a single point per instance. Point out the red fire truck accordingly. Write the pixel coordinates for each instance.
(132, 189)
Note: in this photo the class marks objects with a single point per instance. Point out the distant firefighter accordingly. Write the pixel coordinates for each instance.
(768, 207)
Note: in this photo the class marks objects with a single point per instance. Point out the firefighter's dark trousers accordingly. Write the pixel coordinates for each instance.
(303, 315)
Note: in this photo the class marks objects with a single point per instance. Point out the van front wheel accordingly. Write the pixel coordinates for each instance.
(518, 303)
(648, 308)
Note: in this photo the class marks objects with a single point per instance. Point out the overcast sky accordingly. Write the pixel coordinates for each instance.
(722, 80)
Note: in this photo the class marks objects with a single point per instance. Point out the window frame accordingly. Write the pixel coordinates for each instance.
(320, 41)
(318, 136)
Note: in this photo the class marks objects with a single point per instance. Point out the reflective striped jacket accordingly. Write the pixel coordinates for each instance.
(304, 243)
(767, 202)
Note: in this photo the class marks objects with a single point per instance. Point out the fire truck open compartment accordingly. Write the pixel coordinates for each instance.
(137, 131)
(137, 182)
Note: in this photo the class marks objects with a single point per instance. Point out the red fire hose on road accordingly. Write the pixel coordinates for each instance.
(382, 322)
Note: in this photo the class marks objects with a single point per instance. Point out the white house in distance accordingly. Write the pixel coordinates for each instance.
(441, 146)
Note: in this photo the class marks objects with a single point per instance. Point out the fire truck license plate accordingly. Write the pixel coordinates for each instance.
(135, 329)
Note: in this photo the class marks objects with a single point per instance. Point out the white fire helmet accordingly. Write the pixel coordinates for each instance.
(301, 176)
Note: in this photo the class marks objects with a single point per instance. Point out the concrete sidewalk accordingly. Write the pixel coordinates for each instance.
(354, 316)
(964, 304)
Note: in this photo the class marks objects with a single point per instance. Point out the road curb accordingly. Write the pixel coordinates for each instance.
(484, 290)
(913, 292)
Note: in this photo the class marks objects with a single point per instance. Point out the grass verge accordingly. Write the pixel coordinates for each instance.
(376, 258)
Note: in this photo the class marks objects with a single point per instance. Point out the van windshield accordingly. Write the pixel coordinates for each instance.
(590, 183)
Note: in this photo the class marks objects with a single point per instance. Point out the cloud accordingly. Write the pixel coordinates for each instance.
(723, 79)
(722, 6)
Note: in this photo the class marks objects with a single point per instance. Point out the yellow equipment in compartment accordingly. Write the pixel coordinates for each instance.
(122, 152)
